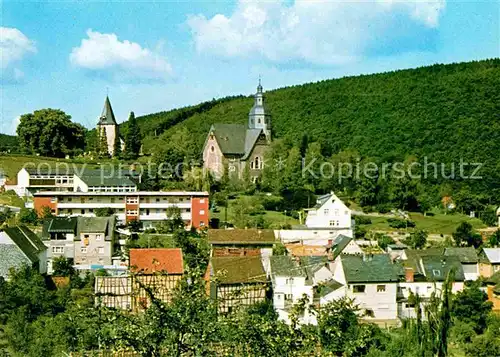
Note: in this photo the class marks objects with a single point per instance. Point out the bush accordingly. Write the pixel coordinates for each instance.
(400, 223)
(362, 220)
(383, 240)
(359, 232)
(272, 203)
(28, 216)
(383, 208)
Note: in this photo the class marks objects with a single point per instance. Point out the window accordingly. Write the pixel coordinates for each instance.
(53, 199)
(202, 224)
(380, 288)
(85, 236)
(369, 313)
(58, 250)
(82, 211)
(326, 211)
(336, 212)
(202, 212)
(332, 223)
(100, 250)
(212, 148)
(132, 200)
(346, 212)
(202, 200)
(288, 297)
(436, 272)
(358, 288)
(83, 250)
(98, 237)
(132, 212)
(289, 281)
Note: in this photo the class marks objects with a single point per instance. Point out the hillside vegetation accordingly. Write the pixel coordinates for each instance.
(446, 113)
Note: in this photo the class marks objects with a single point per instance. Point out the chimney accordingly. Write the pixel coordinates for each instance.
(409, 275)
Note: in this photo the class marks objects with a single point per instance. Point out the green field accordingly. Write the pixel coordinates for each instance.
(275, 219)
(438, 224)
(10, 198)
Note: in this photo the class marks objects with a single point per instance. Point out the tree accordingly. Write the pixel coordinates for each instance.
(62, 266)
(117, 145)
(134, 225)
(50, 132)
(46, 213)
(472, 306)
(494, 239)
(172, 222)
(465, 235)
(418, 239)
(103, 144)
(133, 140)
(104, 212)
(28, 216)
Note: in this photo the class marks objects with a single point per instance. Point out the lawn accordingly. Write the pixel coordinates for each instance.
(10, 198)
(438, 224)
(275, 219)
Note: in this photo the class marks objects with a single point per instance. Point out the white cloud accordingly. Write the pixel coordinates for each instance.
(320, 32)
(101, 51)
(14, 45)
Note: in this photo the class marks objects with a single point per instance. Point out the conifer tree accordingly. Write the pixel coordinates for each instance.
(117, 147)
(103, 143)
(133, 139)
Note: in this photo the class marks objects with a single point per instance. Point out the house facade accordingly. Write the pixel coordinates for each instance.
(489, 262)
(145, 206)
(87, 241)
(329, 211)
(236, 282)
(236, 147)
(20, 246)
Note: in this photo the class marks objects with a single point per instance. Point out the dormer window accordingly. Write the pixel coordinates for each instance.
(212, 148)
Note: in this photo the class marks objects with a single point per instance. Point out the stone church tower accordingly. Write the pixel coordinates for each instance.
(240, 146)
(107, 124)
(259, 118)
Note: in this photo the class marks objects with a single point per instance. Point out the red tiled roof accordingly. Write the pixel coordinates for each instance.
(167, 260)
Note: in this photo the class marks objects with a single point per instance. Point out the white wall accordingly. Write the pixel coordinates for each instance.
(333, 213)
(471, 271)
(310, 236)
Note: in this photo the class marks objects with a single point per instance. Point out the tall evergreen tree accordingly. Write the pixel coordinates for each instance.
(117, 146)
(103, 144)
(133, 139)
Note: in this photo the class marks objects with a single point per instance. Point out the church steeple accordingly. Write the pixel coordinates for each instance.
(258, 118)
(107, 116)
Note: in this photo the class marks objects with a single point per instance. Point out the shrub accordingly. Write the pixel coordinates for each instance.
(362, 220)
(400, 223)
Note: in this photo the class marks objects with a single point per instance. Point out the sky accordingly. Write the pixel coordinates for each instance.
(151, 56)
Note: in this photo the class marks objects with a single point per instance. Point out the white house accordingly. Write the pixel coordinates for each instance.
(329, 211)
(290, 284)
(370, 280)
(329, 219)
(20, 246)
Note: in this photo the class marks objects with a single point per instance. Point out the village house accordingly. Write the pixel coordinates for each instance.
(291, 284)
(237, 147)
(468, 259)
(371, 281)
(493, 291)
(489, 262)
(236, 282)
(241, 242)
(158, 270)
(20, 246)
(329, 219)
(87, 241)
(425, 271)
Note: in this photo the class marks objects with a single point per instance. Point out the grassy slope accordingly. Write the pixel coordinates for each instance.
(438, 224)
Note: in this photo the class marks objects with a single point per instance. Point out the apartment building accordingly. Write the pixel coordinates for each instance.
(66, 178)
(145, 206)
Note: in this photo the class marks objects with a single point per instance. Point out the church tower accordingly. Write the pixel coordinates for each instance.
(107, 126)
(258, 118)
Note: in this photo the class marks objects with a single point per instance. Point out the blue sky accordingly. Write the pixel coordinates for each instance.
(154, 56)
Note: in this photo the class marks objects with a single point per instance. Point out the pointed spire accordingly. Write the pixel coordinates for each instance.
(107, 116)
(259, 87)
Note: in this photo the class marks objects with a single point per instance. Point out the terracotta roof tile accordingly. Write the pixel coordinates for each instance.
(167, 260)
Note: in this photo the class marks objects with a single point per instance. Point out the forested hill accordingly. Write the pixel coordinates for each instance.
(8, 143)
(445, 112)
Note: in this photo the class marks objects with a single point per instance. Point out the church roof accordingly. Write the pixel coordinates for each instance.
(235, 139)
(107, 116)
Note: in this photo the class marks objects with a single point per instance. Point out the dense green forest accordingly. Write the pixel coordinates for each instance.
(446, 113)
(8, 143)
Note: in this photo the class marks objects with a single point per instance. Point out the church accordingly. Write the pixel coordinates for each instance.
(107, 126)
(236, 145)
